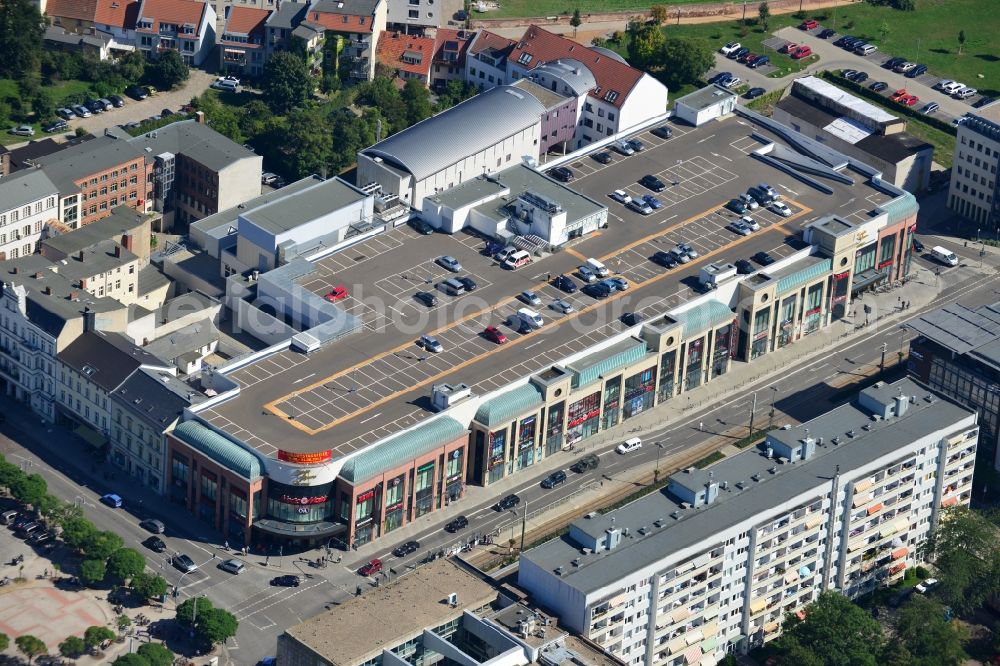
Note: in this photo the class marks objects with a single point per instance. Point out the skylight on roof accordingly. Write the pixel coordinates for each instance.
(611, 96)
(524, 58)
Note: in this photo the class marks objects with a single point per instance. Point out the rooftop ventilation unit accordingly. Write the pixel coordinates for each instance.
(576, 561)
(850, 433)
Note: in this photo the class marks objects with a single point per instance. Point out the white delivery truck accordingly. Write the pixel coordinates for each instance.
(944, 255)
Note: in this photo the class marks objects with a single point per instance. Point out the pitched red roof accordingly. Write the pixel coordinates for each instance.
(393, 46)
(486, 39)
(545, 46)
(246, 21)
(446, 37)
(82, 10)
(177, 12)
(336, 23)
(118, 13)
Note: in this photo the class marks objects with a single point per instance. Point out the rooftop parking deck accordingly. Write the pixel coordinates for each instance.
(369, 386)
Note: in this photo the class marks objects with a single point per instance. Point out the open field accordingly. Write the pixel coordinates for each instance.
(518, 8)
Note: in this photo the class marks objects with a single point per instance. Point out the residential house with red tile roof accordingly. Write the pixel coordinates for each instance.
(113, 21)
(72, 15)
(356, 26)
(408, 56)
(613, 96)
(241, 45)
(185, 26)
(448, 63)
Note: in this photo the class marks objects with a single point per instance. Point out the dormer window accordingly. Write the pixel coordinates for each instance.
(524, 58)
(611, 96)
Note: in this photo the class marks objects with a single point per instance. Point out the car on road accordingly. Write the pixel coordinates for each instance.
(738, 227)
(827, 33)
(155, 544)
(652, 182)
(561, 282)
(405, 549)
(926, 586)
(652, 201)
(632, 318)
(113, 500)
(624, 148)
(737, 206)
(337, 293)
(427, 298)
(729, 48)
(917, 71)
(183, 563)
(421, 227)
(809, 24)
(629, 445)
(917, 245)
(153, 525)
(604, 157)
(22, 130)
(586, 463)
(665, 259)
(929, 108)
(457, 524)
(763, 258)
(562, 174)
(507, 503)
(586, 274)
(57, 125)
(781, 209)
(449, 262)
(288, 580)
(663, 131)
(637, 145)
(493, 334)
(233, 566)
(744, 267)
(137, 92)
(531, 298)
(878, 86)
(559, 305)
(430, 343)
(621, 196)
(372, 568)
(754, 93)
(554, 479)
(640, 206)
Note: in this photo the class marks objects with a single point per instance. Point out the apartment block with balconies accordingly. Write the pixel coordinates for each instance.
(241, 45)
(352, 31)
(185, 26)
(715, 563)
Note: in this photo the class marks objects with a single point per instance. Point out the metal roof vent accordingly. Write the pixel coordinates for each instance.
(755, 477)
(559, 571)
(850, 433)
(576, 561)
(835, 440)
(658, 522)
(675, 515)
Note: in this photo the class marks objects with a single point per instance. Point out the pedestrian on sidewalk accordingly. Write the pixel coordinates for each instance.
(267, 560)
(225, 545)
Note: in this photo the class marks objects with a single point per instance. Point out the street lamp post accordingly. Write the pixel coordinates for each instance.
(753, 408)
(656, 470)
(770, 414)
(524, 523)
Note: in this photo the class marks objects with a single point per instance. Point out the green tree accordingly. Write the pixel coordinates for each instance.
(645, 47)
(95, 635)
(171, 70)
(131, 659)
(21, 30)
(895, 654)
(659, 14)
(92, 572)
(126, 563)
(186, 611)
(73, 647)
(965, 547)
(255, 118)
(381, 94)
(156, 654)
(961, 41)
(44, 105)
(764, 14)
(216, 626)
(575, 21)
(454, 92)
(417, 99)
(77, 532)
(835, 632)
(286, 83)
(30, 646)
(928, 637)
(685, 60)
(306, 144)
(4, 642)
(131, 66)
(102, 545)
(883, 29)
(30, 489)
(148, 586)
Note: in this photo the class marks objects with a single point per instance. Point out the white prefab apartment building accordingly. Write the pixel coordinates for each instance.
(27, 201)
(712, 565)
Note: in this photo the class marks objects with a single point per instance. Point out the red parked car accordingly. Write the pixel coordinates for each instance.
(808, 24)
(788, 48)
(802, 52)
(493, 334)
(371, 568)
(899, 95)
(910, 100)
(337, 293)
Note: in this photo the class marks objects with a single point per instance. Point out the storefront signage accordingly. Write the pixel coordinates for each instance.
(364, 497)
(861, 236)
(813, 311)
(456, 453)
(589, 415)
(288, 499)
(841, 276)
(304, 458)
(303, 477)
(425, 468)
(394, 507)
(760, 336)
(395, 482)
(885, 264)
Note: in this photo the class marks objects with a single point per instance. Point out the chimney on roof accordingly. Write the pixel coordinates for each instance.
(73, 295)
(47, 290)
(128, 241)
(118, 251)
(14, 270)
(79, 255)
(38, 275)
(83, 283)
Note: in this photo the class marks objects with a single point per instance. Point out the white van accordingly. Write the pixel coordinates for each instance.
(517, 260)
(530, 318)
(600, 269)
(629, 445)
(944, 255)
(226, 85)
(866, 49)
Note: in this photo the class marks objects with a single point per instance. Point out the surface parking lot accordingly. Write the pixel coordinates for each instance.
(372, 385)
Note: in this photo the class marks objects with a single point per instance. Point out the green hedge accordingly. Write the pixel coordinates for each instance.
(901, 109)
(715, 456)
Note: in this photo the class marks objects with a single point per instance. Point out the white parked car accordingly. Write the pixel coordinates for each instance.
(559, 305)
(530, 297)
(449, 262)
(750, 222)
(951, 87)
(730, 47)
(781, 209)
(621, 196)
(926, 586)
(965, 93)
(739, 228)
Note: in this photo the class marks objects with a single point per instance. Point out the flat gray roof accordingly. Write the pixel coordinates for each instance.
(218, 224)
(700, 526)
(963, 330)
(548, 98)
(286, 213)
(706, 97)
(465, 129)
(288, 14)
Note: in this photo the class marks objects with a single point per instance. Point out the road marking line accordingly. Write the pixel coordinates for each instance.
(371, 417)
(304, 378)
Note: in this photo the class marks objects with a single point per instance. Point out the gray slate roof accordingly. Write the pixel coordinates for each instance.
(288, 15)
(698, 527)
(65, 167)
(705, 97)
(156, 397)
(25, 187)
(184, 341)
(121, 221)
(107, 359)
(193, 140)
(465, 129)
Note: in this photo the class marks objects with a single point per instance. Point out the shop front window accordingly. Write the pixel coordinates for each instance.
(584, 418)
(667, 366)
(526, 441)
(887, 249)
(786, 323)
(864, 259)
(424, 486)
(364, 506)
(760, 321)
(813, 313)
(695, 359)
(209, 487)
(553, 429)
(395, 499)
(498, 441)
(721, 351)
(612, 402)
(237, 504)
(639, 392)
(302, 504)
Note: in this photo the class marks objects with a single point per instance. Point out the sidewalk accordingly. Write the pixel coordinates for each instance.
(920, 291)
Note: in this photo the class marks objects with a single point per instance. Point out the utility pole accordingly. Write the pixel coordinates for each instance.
(524, 522)
(753, 408)
(656, 471)
(882, 364)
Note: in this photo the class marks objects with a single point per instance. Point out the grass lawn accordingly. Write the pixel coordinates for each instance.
(519, 8)
(60, 91)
